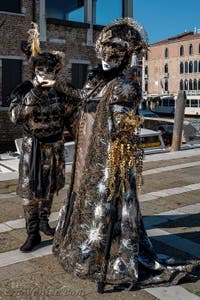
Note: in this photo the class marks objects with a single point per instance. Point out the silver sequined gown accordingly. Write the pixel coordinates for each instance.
(103, 191)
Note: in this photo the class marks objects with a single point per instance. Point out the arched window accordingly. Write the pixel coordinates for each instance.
(190, 67)
(181, 68)
(181, 84)
(199, 84)
(186, 67)
(166, 85)
(166, 68)
(186, 84)
(199, 66)
(146, 70)
(190, 85)
(181, 50)
(166, 53)
(199, 48)
(195, 85)
(190, 49)
(195, 66)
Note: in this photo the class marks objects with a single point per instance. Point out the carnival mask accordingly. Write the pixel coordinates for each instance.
(43, 74)
(111, 56)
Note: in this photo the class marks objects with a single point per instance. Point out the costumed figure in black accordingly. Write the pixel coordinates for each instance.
(100, 234)
(43, 113)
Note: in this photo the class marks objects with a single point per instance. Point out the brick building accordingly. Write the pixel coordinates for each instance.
(71, 26)
(172, 65)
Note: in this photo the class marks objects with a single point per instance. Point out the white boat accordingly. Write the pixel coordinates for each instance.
(166, 105)
(152, 141)
(192, 106)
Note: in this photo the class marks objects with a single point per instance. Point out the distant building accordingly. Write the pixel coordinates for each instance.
(71, 26)
(173, 64)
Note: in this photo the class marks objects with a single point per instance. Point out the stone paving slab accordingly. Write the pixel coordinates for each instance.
(170, 179)
(15, 256)
(169, 192)
(161, 205)
(172, 293)
(175, 241)
(171, 168)
(32, 278)
(11, 205)
(36, 279)
(192, 287)
(165, 163)
(44, 277)
(189, 209)
(5, 228)
(172, 155)
(175, 226)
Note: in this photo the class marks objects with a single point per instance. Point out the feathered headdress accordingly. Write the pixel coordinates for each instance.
(126, 32)
(33, 39)
(31, 48)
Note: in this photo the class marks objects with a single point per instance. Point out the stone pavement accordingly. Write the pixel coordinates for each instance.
(171, 209)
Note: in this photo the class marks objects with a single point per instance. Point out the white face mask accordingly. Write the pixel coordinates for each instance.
(106, 66)
(39, 79)
(111, 57)
(42, 75)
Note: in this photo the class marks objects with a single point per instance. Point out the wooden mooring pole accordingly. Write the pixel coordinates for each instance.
(178, 121)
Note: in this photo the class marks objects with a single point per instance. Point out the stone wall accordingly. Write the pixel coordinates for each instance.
(156, 62)
(8, 132)
(72, 40)
(13, 29)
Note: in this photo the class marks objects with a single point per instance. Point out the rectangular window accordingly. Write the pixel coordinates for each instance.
(11, 77)
(79, 75)
(194, 103)
(72, 10)
(165, 102)
(187, 103)
(10, 6)
(171, 102)
(105, 11)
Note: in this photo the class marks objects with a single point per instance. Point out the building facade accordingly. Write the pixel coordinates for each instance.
(70, 26)
(172, 65)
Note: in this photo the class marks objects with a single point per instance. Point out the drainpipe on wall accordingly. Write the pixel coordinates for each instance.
(33, 11)
(127, 8)
(43, 32)
(90, 21)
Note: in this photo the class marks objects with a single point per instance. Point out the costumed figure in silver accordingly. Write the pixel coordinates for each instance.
(100, 233)
(43, 112)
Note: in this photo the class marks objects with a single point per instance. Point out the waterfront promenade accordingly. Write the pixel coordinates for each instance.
(171, 209)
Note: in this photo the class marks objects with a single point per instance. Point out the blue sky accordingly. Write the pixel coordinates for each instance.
(166, 18)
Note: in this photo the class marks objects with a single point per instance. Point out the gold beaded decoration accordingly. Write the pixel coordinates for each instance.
(125, 152)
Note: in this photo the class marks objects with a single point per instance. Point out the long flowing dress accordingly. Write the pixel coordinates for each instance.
(100, 233)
